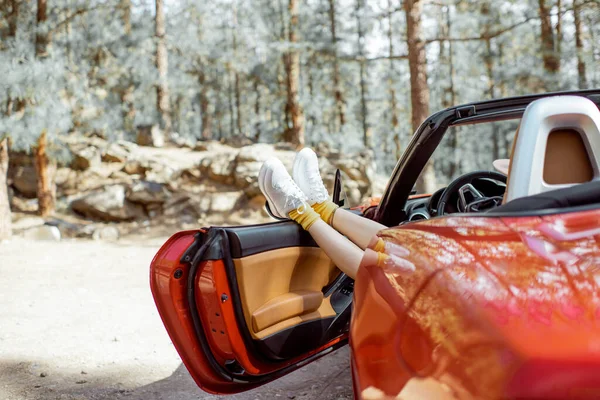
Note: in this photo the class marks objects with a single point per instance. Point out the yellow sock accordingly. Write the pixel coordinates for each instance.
(381, 257)
(326, 210)
(379, 246)
(306, 217)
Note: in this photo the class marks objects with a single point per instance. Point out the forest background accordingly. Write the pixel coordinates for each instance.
(355, 74)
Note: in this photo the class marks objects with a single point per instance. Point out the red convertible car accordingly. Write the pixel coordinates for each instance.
(504, 302)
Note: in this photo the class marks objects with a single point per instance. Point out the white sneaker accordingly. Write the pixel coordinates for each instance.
(282, 193)
(306, 174)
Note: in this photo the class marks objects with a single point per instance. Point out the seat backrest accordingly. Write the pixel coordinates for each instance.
(557, 145)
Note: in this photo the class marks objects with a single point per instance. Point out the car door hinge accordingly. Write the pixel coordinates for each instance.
(464, 112)
(234, 367)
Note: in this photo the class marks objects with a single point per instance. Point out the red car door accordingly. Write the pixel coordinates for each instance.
(246, 305)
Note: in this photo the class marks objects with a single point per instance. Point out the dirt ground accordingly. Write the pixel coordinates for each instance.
(77, 322)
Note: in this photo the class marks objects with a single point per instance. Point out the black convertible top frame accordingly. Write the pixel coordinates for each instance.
(390, 211)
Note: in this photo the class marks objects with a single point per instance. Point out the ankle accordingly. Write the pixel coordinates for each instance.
(326, 210)
(305, 216)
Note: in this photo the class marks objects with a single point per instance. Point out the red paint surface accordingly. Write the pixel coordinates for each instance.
(495, 308)
(217, 317)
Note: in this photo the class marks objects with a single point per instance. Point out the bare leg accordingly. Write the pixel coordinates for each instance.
(358, 229)
(342, 251)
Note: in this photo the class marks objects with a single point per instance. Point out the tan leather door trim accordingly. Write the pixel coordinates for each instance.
(268, 278)
(284, 307)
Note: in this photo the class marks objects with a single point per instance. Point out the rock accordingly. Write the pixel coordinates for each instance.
(146, 192)
(181, 205)
(43, 232)
(24, 180)
(183, 141)
(108, 204)
(220, 202)
(27, 223)
(256, 152)
(115, 153)
(108, 233)
(246, 173)
(237, 141)
(86, 158)
(68, 229)
(150, 135)
(204, 145)
(219, 167)
(135, 167)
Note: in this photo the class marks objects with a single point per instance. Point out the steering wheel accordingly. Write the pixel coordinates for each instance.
(469, 198)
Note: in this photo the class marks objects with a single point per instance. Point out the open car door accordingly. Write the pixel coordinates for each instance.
(246, 305)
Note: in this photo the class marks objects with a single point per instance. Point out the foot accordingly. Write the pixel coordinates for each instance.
(282, 193)
(308, 178)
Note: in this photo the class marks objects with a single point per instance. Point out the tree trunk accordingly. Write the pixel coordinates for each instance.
(125, 6)
(257, 112)
(549, 56)
(295, 133)
(363, 76)
(46, 189)
(163, 104)
(204, 105)
(559, 34)
(41, 37)
(337, 89)
(419, 90)
(13, 17)
(395, 121)
(5, 216)
(582, 81)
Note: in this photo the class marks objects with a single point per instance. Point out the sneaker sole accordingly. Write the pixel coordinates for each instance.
(262, 175)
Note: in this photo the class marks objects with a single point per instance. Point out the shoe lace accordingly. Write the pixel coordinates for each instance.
(292, 194)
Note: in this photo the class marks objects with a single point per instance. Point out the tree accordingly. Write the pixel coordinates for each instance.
(549, 56)
(291, 60)
(364, 111)
(419, 89)
(5, 215)
(163, 103)
(44, 166)
(581, 78)
(340, 112)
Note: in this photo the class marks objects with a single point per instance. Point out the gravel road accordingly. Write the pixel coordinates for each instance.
(77, 322)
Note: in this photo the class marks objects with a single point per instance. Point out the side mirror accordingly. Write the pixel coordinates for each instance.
(339, 195)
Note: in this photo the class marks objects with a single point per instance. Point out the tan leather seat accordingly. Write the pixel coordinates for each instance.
(557, 145)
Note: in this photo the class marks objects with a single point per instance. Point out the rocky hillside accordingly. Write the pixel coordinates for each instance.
(108, 190)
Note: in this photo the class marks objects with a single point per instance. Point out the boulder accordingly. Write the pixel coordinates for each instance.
(43, 232)
(24, 180)
(136, 167)
(219, 167)
(181, 205)
(246, 173)
(27, 223)
(86, 158)
(107, 233)
(220, 202)
(150, 135)
(147, 192)
(237, 141)
(115, 153)
(108, 204)
(256, 152)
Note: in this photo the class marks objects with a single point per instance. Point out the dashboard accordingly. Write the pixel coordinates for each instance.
(422, 208)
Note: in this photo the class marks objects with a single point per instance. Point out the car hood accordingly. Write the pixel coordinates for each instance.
(496, 307)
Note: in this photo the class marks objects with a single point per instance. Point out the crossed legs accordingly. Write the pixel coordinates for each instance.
(342, 235)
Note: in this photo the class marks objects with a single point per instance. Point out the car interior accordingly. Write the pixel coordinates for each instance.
(554, 163)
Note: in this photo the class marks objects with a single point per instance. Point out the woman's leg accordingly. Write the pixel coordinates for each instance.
(345, 254)
(307, 176)
(359, 230)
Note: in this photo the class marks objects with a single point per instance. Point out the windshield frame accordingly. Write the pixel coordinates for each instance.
(424, 142)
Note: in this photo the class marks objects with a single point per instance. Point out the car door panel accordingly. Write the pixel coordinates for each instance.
(250, 304)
